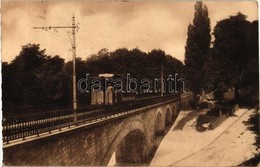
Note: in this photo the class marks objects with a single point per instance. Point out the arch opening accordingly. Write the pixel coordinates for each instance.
(134, 135)
(131, 150)
(159, 128)
(168, 118)
(174, 112)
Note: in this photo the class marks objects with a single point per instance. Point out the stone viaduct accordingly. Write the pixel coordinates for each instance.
(131, 136)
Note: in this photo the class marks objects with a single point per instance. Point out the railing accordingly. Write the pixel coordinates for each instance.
(35, 124)
(15, 127)
(13, 130)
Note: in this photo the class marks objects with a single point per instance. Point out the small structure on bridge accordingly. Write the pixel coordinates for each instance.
(105, 96)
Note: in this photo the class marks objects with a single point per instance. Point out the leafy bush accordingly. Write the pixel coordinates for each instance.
(205, 118)
(252, 161)
(193, 103)
(214, 111)
(253, 125)
(202, 119)
(203, 105)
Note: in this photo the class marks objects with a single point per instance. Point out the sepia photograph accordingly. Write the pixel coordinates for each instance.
(130, 83)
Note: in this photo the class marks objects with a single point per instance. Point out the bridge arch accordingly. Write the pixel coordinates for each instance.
(129, 145)
(168, 116)
(131, 149)
(158, 125)
(174, 110)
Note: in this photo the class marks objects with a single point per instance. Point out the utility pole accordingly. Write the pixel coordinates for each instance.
(73, 27)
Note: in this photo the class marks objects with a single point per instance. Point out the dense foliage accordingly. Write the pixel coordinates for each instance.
(230, 63)
(33, 78)
(234, 62)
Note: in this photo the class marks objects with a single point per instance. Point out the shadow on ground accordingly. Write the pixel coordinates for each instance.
(186, 119)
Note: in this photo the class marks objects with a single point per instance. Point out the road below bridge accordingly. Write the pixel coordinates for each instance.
(227, 145)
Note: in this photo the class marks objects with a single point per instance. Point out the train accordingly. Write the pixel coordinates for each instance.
(112, 98)
(108, 96)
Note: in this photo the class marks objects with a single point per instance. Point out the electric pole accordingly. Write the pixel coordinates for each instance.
(73, 27)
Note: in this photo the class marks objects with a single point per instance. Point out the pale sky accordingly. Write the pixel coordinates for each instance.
(112, 25)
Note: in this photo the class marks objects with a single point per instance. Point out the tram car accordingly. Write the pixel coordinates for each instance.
(108, 97)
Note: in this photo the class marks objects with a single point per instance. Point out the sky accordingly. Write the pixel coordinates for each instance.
(145, 25)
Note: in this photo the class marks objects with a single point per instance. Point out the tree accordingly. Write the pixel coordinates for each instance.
(99, 63)
(8, 91)
(49, 80)
(25, 65)
(236, 55)
(197, 47)
(129, 61)
(249, 82)
(32, 79)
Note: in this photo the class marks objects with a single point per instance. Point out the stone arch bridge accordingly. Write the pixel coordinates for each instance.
(131, 136)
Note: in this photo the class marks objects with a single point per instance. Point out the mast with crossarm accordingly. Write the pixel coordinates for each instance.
(73, 27)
